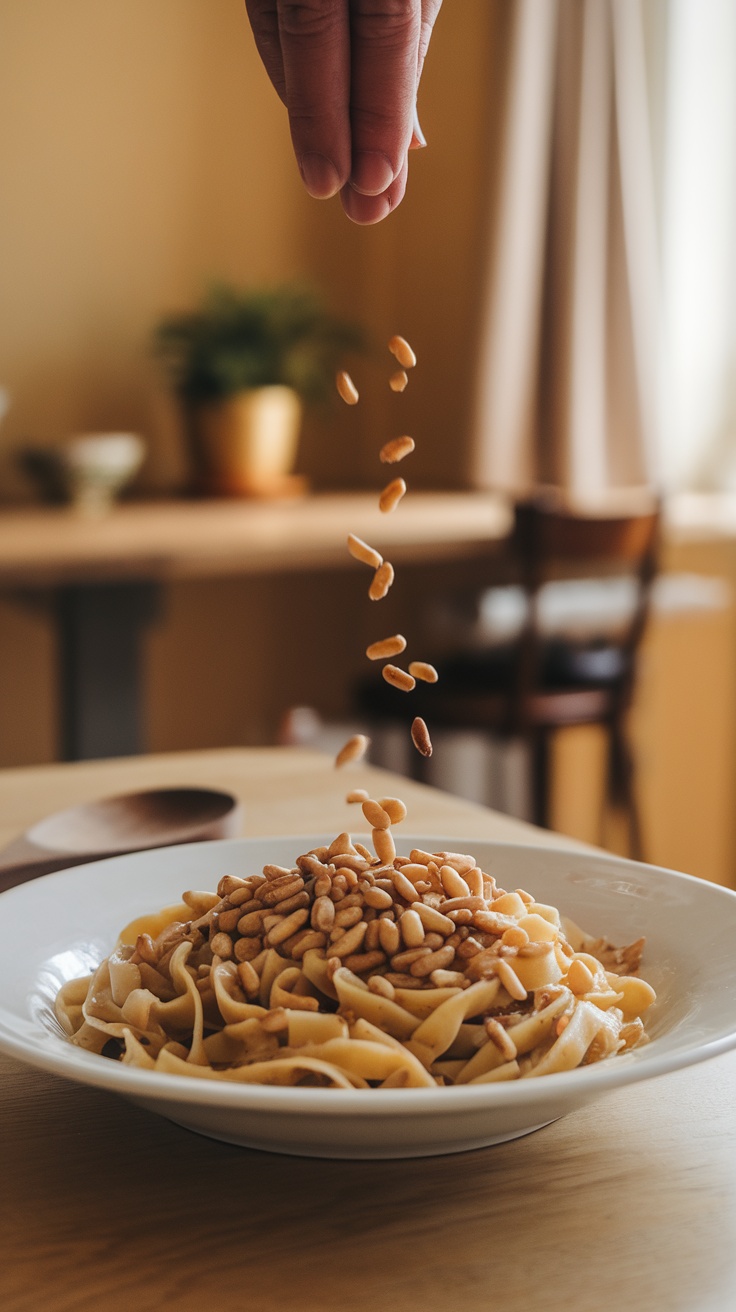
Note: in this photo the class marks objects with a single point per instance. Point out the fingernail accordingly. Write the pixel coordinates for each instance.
(372, 173)
(319, 175)
(418, 139)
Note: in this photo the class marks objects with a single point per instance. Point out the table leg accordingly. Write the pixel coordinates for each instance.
(100, 627)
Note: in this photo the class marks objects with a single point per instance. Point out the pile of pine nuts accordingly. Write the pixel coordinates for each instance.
(391, 453)
(429, 920)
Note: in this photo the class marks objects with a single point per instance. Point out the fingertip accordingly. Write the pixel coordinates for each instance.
(364, 210)
(319, 175)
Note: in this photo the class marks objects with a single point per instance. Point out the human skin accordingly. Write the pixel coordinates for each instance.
(348, 72)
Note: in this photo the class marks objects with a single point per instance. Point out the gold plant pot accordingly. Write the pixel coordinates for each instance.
(246, 444)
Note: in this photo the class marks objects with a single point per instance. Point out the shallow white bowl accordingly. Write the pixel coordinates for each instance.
(77, 914)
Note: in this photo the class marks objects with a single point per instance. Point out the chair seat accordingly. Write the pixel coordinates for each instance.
(579, 685)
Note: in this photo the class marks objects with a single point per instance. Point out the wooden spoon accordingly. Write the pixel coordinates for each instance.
(111, 826)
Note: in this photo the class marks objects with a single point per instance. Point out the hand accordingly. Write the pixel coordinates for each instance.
(348, 72)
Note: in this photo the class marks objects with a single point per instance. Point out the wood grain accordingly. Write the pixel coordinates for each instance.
(629, 1203)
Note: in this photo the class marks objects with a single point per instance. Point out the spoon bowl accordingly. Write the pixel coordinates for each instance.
(111, 826)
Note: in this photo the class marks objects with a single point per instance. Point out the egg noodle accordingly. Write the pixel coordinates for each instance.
(349, 970)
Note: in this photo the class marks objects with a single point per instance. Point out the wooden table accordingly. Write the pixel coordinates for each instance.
(629, 1204)
(105, 575)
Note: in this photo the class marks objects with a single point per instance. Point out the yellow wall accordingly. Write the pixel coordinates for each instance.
(143, 153)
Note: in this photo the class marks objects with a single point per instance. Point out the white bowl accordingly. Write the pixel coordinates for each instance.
(690, 927)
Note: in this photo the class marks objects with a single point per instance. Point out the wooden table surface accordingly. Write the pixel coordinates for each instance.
(628, 1204)
(163, 540)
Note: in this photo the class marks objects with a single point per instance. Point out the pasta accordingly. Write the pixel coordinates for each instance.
(348, 971)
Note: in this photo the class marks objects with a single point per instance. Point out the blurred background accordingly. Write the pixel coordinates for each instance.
(563, 266)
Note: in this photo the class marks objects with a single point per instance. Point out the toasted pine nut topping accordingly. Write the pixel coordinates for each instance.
(397, 382)
(398, 678)
(420, 736)
(361, 551)
(396, 449)
(346, 387)
(421, 670)
(401, 350)
(375, 815)
(355, 748)
(391, 495)
(382, 580)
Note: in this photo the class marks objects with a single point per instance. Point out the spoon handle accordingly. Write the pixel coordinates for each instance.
(23, 860)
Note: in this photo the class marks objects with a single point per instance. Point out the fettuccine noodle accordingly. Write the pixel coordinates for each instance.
(348, 971)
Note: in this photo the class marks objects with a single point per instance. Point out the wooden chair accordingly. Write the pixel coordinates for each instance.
(535, 684)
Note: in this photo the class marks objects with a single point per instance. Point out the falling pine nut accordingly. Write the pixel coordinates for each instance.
(401, 350)
(375, 815)
(395, 450)
(361, 551)
(346, 387)
(398, 678)
(355, 748)
(382, 580)
(420, 736)
(357, 795)
(394, 808)
(397, 382)
(385, 647)
(384, 845)
(421, 670)
(391, 495)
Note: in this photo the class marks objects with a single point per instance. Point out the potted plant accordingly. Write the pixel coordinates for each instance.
(243, 364)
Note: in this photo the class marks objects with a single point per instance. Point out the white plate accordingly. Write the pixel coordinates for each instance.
(60, 926)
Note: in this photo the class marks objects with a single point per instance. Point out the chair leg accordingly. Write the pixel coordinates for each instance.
(539, 746)
(621, 790)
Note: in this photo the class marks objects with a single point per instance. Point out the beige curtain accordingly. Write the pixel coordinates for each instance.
(567, 350)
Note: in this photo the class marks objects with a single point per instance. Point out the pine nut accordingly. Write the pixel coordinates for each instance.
(360, 961)
(433, 921)
(247, 949)
(401, 350)
(280, 890)
(311, 939)
(396, 449)
(248, 978)
(346, 917)
(405, 960)
(397, 382)
(404, 887)
(384, 844)
(420, 736)
(382, 580)
(361, 551)
(350, 942)
(411, 929)
(377, 984)
(378, 899)
(385, 647)
(375, 815)
(391, 495)
(222, 946)
(448, 979)
(438, 960)
(357, 795)
(510, 980)
(323, 915)
(422, 670)
(389, 937)
(453, 883)
(346, 387)
(394, 808)
(288, 926)
(371, 942)
(353, 750)
(398, 678)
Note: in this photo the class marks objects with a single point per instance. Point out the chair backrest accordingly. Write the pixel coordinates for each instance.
(550, 538)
